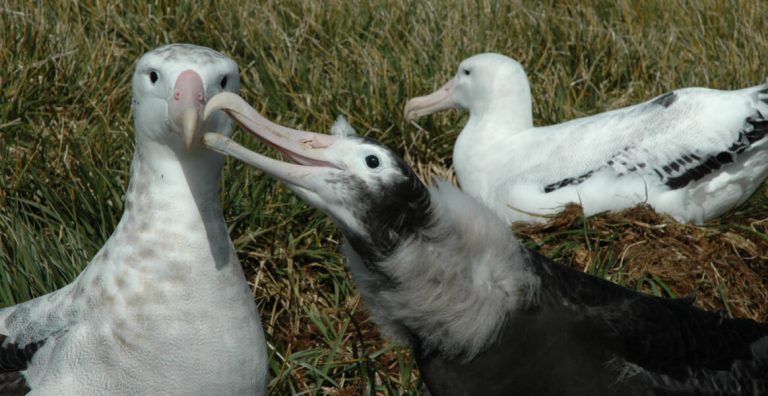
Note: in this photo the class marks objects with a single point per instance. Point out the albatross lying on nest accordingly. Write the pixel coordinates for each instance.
(694, 153)
(163, 308)
(483, 314)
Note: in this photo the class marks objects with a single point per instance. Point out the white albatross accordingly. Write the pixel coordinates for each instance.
(163, 308)
(693, 153)
(483, 314)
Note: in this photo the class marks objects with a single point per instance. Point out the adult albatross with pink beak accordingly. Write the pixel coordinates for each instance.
(483, 314)
(163, 308)
(694, 153)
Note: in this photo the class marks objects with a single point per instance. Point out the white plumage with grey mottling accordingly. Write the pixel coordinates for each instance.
(163, 307)
(694, 153)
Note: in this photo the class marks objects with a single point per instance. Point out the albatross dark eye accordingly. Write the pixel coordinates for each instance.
(372, 161)
(224, 82)
(466, 72)
(153, 77)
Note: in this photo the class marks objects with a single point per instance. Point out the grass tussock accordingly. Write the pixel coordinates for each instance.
(66, 141)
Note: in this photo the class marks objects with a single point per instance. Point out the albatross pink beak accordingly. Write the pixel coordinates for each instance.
(302, 147)
(441, 99)
(185, 107)
(306, 149)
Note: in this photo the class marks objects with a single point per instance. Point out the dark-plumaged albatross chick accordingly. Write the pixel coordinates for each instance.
(163, 308)
(483, 314)
(694, 153)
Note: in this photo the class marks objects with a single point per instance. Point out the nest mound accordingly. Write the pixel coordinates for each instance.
(724, 266)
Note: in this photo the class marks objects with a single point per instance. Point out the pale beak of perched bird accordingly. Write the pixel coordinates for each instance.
(186, 104)
(306, 149)
(441, 99)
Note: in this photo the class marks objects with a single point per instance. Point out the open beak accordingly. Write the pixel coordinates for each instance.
(185, 107)
(442, 99)
(306, 149)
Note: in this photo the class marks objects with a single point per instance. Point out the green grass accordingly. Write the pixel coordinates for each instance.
(66, 137)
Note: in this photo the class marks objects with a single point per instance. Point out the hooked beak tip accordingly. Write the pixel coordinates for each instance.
(410, 115)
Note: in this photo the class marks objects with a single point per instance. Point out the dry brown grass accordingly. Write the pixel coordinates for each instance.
(724, 268)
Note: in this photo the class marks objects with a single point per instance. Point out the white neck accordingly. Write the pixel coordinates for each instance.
(497, 119)
(509, 109)
(173, 223)
(180, 197)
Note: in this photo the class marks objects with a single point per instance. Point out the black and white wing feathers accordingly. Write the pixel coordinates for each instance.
(14, 359)
(677, 138)
(26, 328)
